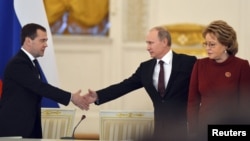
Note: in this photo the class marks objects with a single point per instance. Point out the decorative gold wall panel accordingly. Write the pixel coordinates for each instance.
(187, 38)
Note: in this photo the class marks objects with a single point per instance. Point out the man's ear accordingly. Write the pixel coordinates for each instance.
(165, 41)
(28, 40)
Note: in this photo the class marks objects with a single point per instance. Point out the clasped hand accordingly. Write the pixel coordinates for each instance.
(84, 101)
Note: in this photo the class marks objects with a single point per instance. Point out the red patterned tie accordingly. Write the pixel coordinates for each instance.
(161, 81)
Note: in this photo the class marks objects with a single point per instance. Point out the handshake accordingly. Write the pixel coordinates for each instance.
(83, 101)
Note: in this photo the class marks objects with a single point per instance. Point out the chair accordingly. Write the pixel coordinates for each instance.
(57, 122)
(125, 125)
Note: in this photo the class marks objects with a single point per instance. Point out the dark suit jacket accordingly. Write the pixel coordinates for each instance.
(20, 105)
(170, 111)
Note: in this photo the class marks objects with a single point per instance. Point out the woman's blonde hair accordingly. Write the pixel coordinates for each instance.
(225, 34)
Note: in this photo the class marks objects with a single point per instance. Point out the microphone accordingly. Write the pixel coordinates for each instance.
(73, 133)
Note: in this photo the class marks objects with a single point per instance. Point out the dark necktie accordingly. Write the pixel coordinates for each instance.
(46, 102)
(39, 70)
(161, 81)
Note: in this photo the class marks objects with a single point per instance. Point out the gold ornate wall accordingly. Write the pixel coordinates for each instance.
(187, 38)
(186, 34)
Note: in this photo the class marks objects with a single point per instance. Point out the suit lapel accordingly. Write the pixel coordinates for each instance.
(23, 55)
(149, 75)
(173, 74)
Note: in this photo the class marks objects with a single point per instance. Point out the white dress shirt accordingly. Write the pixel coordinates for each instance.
(31, 57)
(167, 59)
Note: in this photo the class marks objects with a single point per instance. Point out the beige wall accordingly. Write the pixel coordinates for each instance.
(96, 62)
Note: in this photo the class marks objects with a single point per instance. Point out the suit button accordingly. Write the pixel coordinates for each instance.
(163, 101)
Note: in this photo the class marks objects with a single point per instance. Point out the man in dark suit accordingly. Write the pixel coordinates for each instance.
(20, 104)
(169, 108)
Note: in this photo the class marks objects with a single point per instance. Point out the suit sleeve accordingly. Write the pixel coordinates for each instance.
(21, 72)
(119, 89)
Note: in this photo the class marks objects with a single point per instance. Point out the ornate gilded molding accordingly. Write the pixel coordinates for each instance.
(197, 51)
(51, 112)
(187, 38)
(130, 115)
(186, 34)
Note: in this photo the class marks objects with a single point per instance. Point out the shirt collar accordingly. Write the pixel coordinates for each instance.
(31, 57)
(167, 58)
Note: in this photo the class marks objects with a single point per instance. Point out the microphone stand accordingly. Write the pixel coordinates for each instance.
(73, 133)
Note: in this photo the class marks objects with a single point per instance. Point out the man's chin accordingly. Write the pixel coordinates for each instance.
(152, 56)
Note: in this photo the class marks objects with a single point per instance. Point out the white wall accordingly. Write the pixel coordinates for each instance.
(95, 62)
